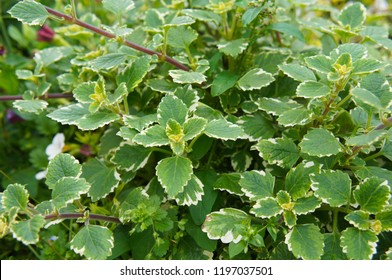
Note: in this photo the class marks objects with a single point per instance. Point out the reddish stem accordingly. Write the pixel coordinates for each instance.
(46, 96)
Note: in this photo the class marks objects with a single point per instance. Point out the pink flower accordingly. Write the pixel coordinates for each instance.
(12, 117)
(45, 34)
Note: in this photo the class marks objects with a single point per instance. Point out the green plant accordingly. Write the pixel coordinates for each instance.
(262, 124)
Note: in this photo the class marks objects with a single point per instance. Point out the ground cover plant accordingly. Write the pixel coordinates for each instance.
(203, 129)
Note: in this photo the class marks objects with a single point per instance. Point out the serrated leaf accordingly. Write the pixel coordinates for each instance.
(96, 120)
(229, 182)
(108, 61)
(28, 231)
(359, 244)
(385, 218)
(68, 189)
(103, 179)
(257, 184)
(70, 114)
(241, 161)
(305, 205)
(257, 126)
(255, 79)
(297, 182)
(320, 63)
(250, 15)
(298, 72)
(189, 96)
(181, 37)
(16, 196)
(192, 194)
(118, 7)
(366, 66)
(62, 165)
(161, 85)
(139, 122)
(379, 86)
(270, 61)
(51, 55)
(131, 157)
(134, 198)
(233, 48)
(133, 75)
(332, 187)
(228, 225)
(223, 82)
(280, 151)
(353, 15)
(94, 242)
(311, 142)
(173, 174)
(171, 107)
(187, 77)
(372, 194)
(332, 249)
(288, 29)
(175, 134)
(356, 51)
(30, 106)
(365, 98)
(194, 127)
(366, 139)
(152, 136)
(224, 130)
(276, 106)
(374, 171)
(29, 12)
(297, 116)
(359, 219)
(290, 219)
(306, 242)
(266, 208)
(180, 20)
(83, 91)
(312, 89)
(118, 95)
(202, 15)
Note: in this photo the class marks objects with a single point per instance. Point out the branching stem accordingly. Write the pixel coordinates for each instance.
(104, 218)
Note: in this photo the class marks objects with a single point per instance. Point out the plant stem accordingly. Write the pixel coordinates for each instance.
(46, 96)
(107, 34)
(104, 218)
(34, 252)
(335, 220)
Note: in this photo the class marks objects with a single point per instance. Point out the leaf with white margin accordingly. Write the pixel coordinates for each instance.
(366, 66)
(118, 95)
(312, 89)
(305, 241)
(255, 79)
(83, 91)
(108, 61)
(366, 139)
(180, 20)
(152, 137)
(359, 244)
(222, 129)
(290, 219)
(266, 208)
(297, 182)
(233, 48)
(276, 106)
(28, 231)
(94, 242)
(15, 195)
(257, 126)
(364, 98)
(372, 194)
(353, 15)
(357, 51)
(29, 12)
(133, 75)
(320, 142)
(187, 77)
(62, 165)
(30, 106)
(359, 219)
(332, 187)
(320, 63)
(297, 116)
(228, 225)
(70, 114)
(118, 7)
(298, 72)
(385, 218)
(257, 184)
(181, 37)
(192, 194)
(96, 120)
(305, 205)
(131, 157)
(229, 182)
(194, 127)
(68, 189)
(189, 96)
(174, 173)
(171, 107)
(139, 122)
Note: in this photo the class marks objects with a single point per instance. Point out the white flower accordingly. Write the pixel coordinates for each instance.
(55, 148)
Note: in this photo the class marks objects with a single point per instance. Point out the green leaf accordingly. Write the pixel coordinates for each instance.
(297, 182)
(255, 79)
(228, 225)
(139, 123)
(280, 151)
(257, 184)
(180, 20)
(103, 179)
(366, 66)
(277, 107)
(223, 82)
(94, 242)
(30, 106)
(374, 171)
(96, 120)
(233, 48)
(320, 63)
(250, 15)
(68, 189)
(257, 126)
(306, 242)
(175, 134)
(270, 61)
(223, 129)
(359, 219)
(134, 198)
(229, 182)
(332, 249)
(70, 114)
(194, 127)
(118, 7)
(161, 85)
(108, 61)
(312, 89)
(173, 174)
(365, 98)
(314, 138)
(372, 194)
(181, 37)
(192, 194)
(379, 86)
(171, 107)
(305, 205)
(288, 29)
(366, 139)
(118, 95)
(16, 196)
(353, 15)
(359, 244)
(28, 231)
(290, 219)
(62, 165)
(332, 187)
(202, 15)
(187, 77)
(133, 75)
(297, 116)
(131, 157)
(266, 208)
(385, 218)
(241, 161)
(298, 72)
(356, 51)
(152, 136)
(83, 91)
(189, 96)
(51, 55)
(29, 12)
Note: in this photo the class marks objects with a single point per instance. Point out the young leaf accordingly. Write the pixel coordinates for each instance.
(233, 48)
(353, 15)
(314, 138)
(181, 37)
(173, 174)
(131, 157)
(28, 231)
(16, 196)
(29, 12)
(305, 205)
(290, 219)
(257, 126)
(185, 77)
(134, 198)
(192, 194)
(359, 219)
(372, 194)
(83, 91)
(223, 82)
(194, 127)
(298, 72)
(223, 129)
(266, 208)
(30, 106)
(171, 107)
(359, 244)
(152, 136)
(62, 165)
(332, 187)
(68, 189)
(257, 184)
(312, 89)
(118, 95)
(298, 182)
(255, 79)
(306, 242)
(103, 179)
(94, 242)
(228, 225)
(280, 151)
